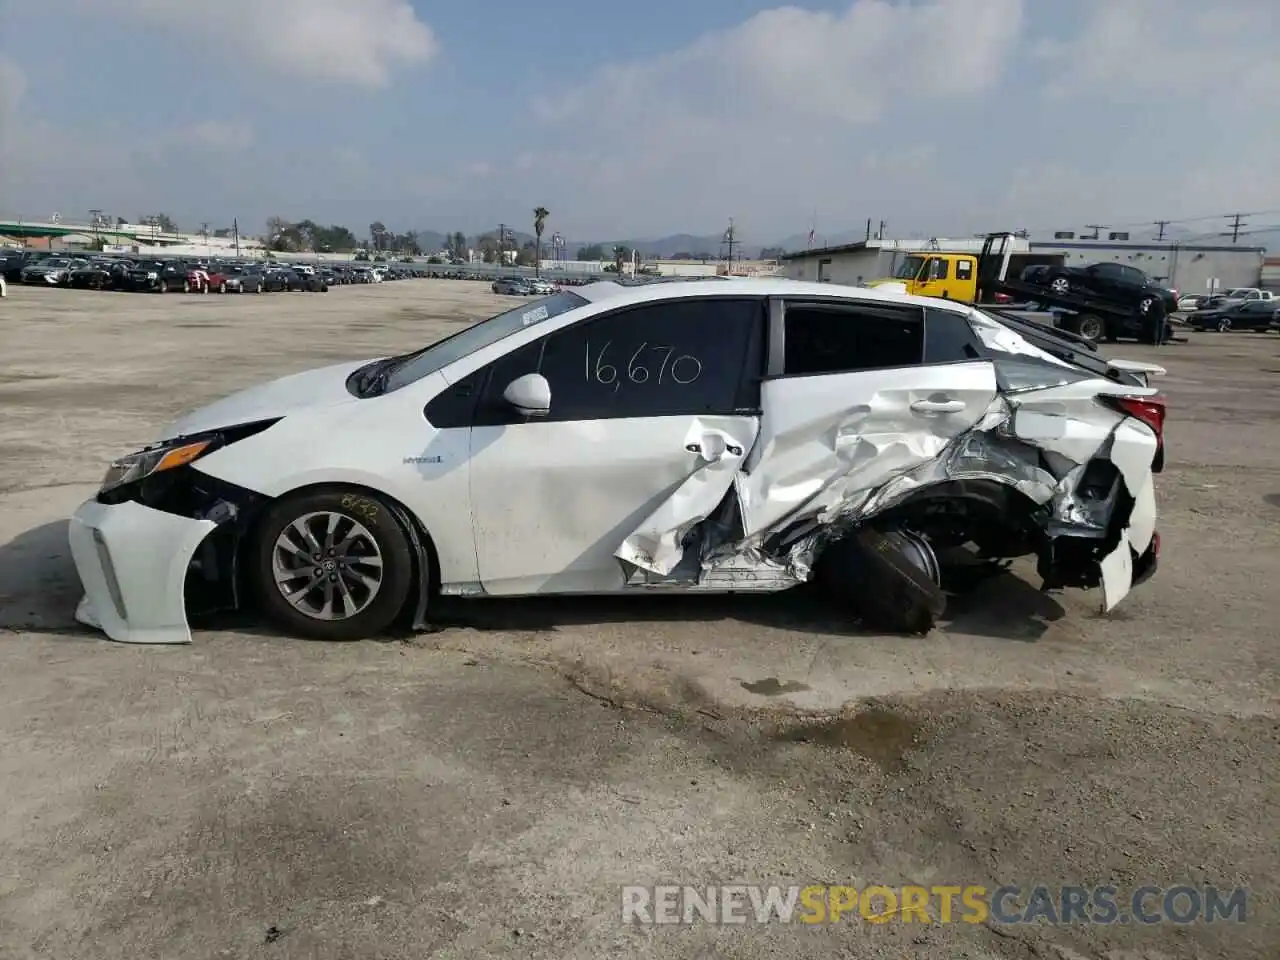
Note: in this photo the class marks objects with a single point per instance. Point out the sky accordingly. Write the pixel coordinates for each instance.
(640, 120)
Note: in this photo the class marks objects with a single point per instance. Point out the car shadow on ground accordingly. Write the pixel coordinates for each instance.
(39, 587)
(983, 600)
(39, 590)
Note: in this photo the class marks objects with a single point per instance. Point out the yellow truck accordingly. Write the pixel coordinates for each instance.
(954, 276)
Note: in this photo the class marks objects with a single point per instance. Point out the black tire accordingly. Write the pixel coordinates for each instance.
(163, 287)
(1144, 305)
(1224, 325)
(1059, 284)
(1092, 328)
(873, 574)
(186, 286)
(358, 506)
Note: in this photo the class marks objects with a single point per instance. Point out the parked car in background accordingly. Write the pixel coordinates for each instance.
(158, 276)
(1191, 302)
(1235, 295)
(512, 286)
(1242, 315)
(102, 275)
(1116, 283)
(540, 287)
(52, 272)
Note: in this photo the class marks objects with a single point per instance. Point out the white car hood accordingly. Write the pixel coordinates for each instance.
(323, 387)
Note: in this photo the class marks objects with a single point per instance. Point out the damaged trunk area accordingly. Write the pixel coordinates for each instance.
(868, 500)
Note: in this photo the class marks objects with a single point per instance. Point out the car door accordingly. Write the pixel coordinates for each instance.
(852, 401)
(653, 410)
(934, 278)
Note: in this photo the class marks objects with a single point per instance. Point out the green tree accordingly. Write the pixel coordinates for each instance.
(540, 215)
(378, 234)
(593, 252)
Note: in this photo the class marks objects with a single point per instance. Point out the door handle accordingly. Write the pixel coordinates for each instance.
(938, 406)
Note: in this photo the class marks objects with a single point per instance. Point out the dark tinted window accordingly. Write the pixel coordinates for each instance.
(829, 338)
(701, 355)
(964, 269)
(948, 338)
(1133, 275)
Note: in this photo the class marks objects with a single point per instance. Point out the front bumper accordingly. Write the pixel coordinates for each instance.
(132, 561)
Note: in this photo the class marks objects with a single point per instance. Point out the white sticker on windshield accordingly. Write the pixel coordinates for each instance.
(533, 316)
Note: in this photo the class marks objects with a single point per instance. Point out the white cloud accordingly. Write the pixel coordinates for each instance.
(355, 41)
(1199, 84)
(773, 114)
(1137, 48)
(222, 135)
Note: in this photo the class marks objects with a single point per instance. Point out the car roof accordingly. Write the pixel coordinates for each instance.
(626, 294)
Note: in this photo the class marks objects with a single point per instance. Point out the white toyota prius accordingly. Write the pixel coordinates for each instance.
(730, 435)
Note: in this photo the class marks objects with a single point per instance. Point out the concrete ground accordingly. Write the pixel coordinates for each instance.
(485, 790)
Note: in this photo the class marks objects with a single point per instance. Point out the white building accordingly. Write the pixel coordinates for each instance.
(1188, 267)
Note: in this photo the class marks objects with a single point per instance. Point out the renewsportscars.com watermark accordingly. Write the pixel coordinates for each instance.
(937, 904)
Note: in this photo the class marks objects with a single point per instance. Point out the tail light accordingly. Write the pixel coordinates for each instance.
(1151, 411)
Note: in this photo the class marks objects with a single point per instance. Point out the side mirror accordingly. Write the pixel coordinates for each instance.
(530, 394)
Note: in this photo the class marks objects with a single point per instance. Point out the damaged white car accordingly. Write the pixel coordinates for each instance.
(736, 435)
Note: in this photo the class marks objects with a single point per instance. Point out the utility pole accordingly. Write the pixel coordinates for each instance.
(1161, 224)
(502, 244)
(730, 241)
(880, 232)
(1236, 224)
(1096, 228)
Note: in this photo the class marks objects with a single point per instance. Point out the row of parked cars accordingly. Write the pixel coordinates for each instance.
(1241, 308)
(186, 275)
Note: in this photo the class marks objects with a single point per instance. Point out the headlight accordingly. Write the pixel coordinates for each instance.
(144, 463)
(153, 276)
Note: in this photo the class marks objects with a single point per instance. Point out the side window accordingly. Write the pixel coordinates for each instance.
(939, 269)
(948, 338)
(832, 338)
(1133, 275)
(964, 269)
(696, 356)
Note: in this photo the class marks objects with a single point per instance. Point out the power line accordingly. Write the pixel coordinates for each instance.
(1237, 223)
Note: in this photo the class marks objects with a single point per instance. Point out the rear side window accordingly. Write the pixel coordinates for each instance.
(964, 269)
(835, 338)
(948, 338)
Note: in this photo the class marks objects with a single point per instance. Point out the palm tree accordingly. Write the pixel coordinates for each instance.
(540, 215)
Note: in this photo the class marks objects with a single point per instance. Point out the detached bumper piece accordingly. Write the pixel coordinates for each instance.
(133, 561)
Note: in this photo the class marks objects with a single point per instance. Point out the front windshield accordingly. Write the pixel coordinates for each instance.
(415, 366)
(909, 269)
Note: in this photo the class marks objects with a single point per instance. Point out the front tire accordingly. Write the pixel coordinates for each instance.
(332, 565)
(1224, 325)
(1060, 285)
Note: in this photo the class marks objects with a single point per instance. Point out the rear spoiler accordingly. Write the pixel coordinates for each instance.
(1138, 368)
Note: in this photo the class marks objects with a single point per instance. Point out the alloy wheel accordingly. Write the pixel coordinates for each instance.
(327, 565)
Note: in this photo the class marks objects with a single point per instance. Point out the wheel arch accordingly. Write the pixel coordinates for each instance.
(426, 573)
(986, 497)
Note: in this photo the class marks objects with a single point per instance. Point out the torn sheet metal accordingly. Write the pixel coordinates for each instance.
(657, 545)
(817, 450)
